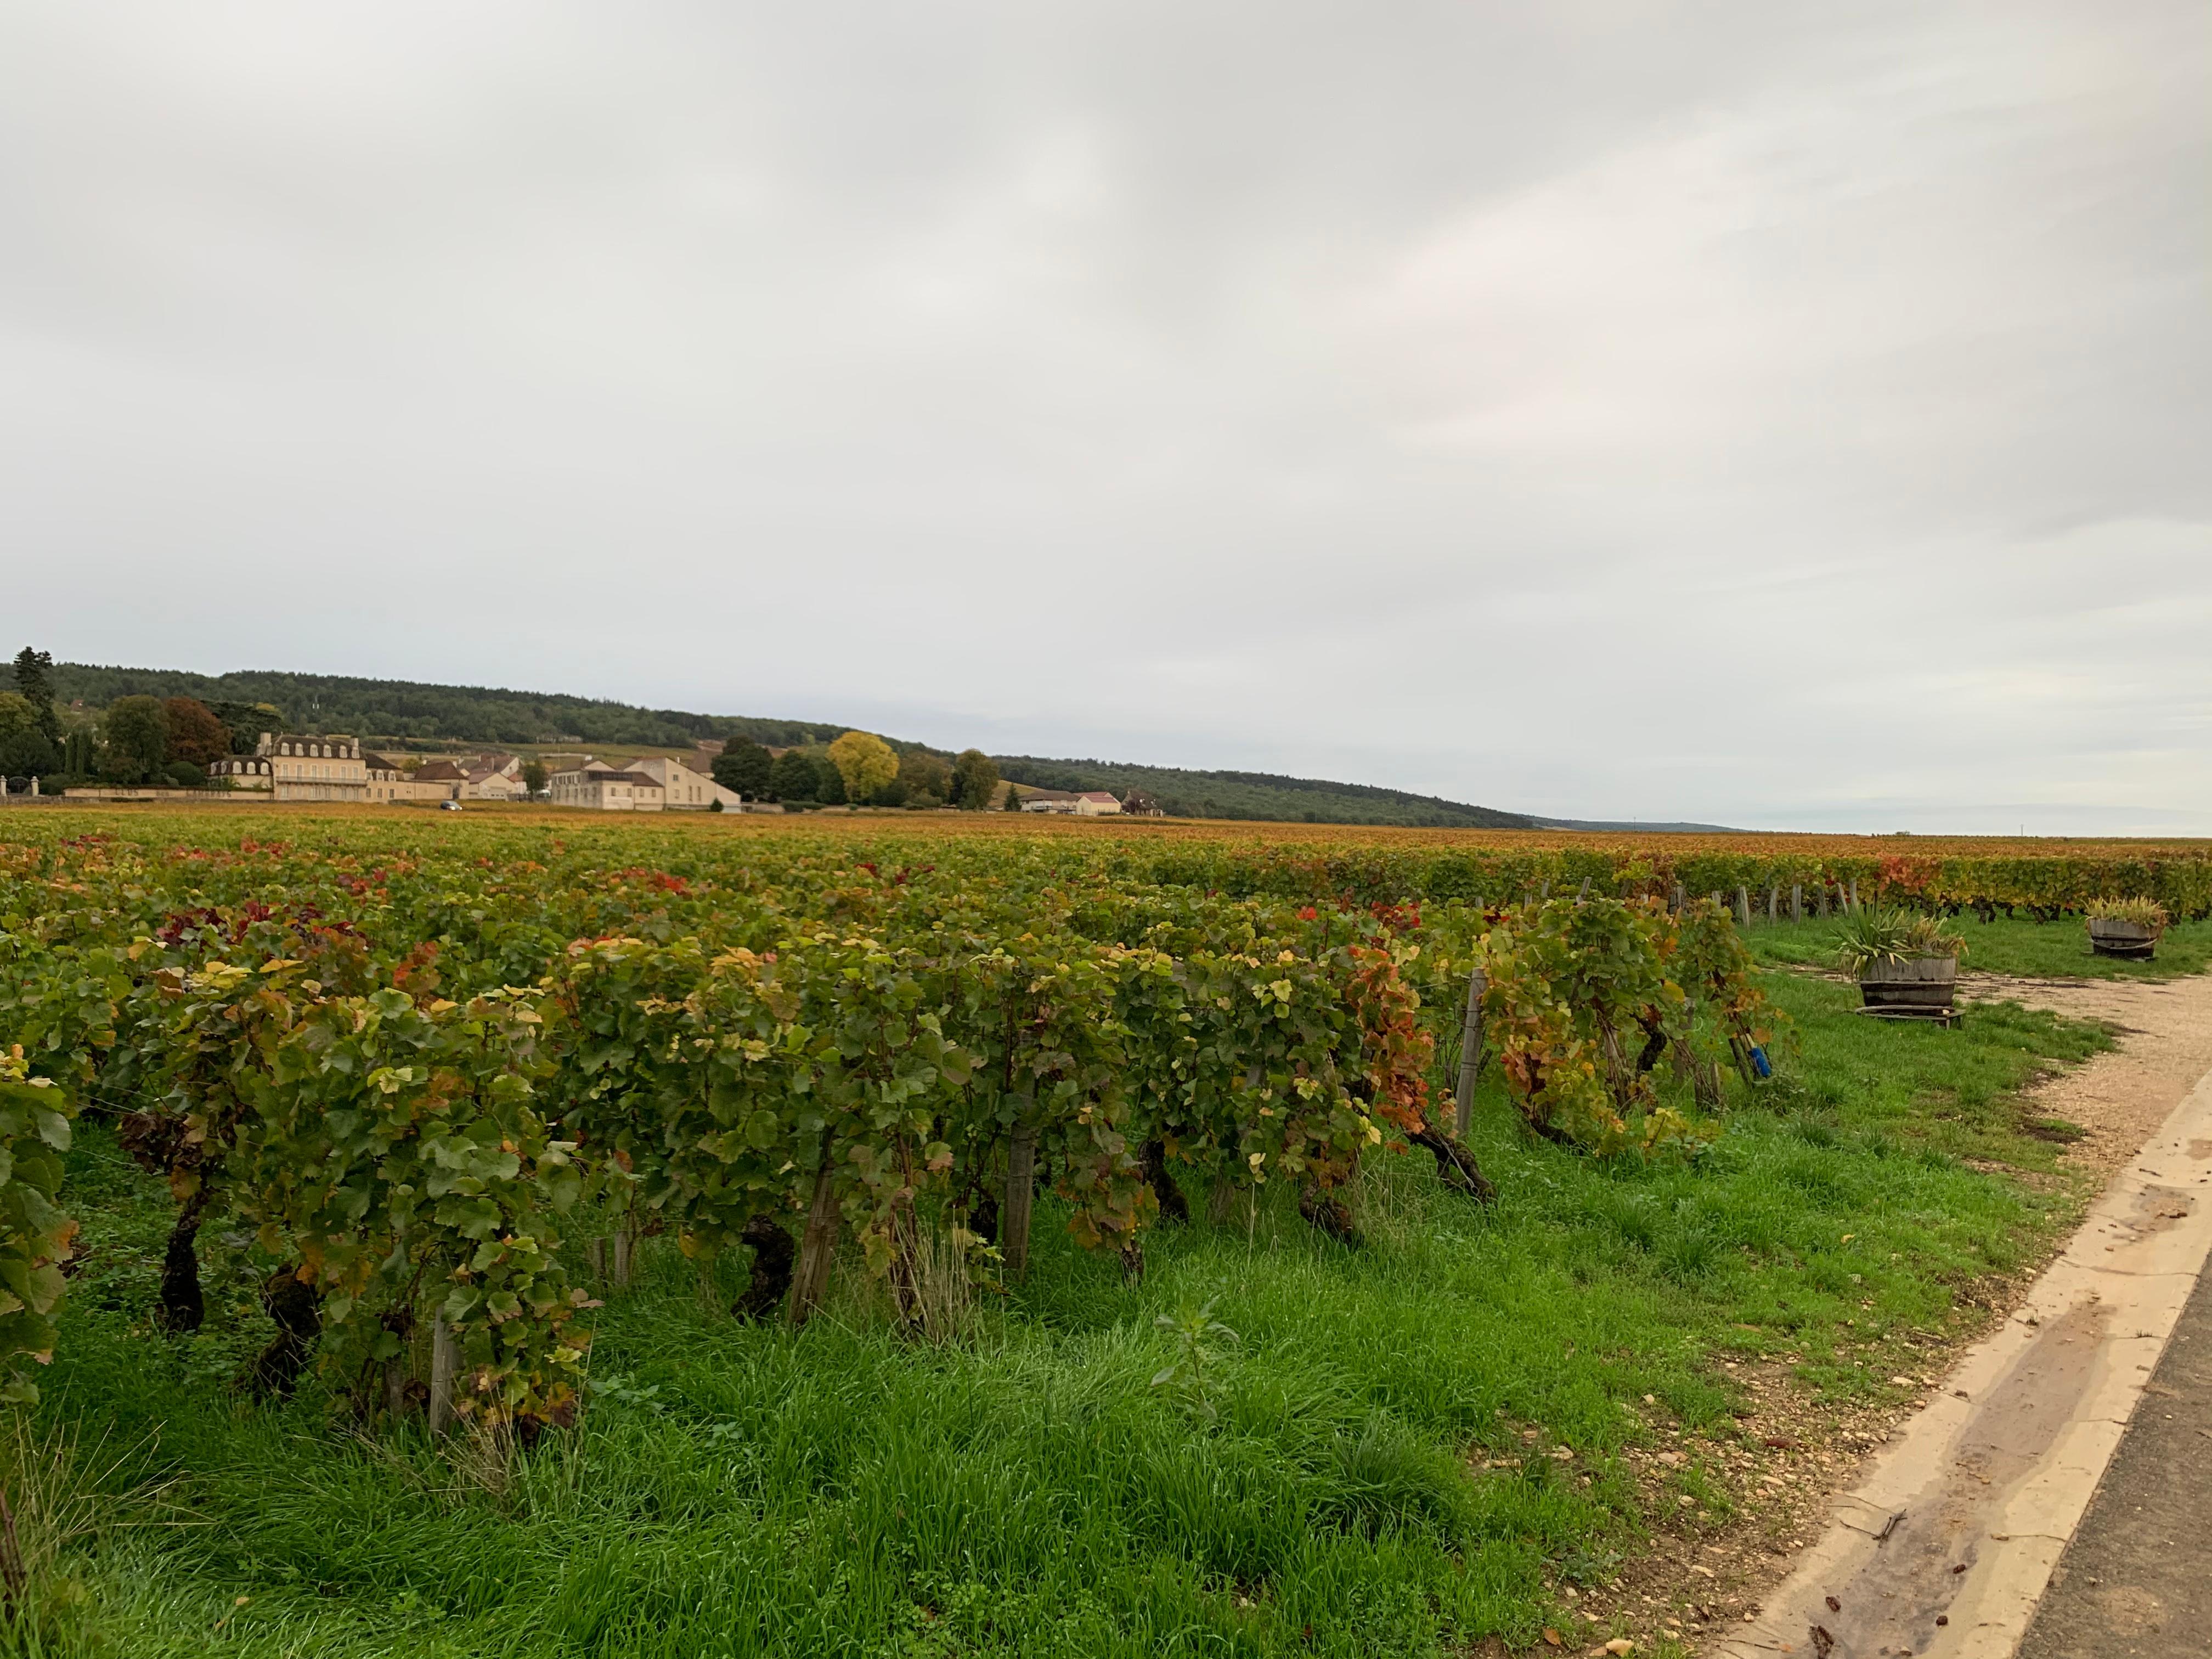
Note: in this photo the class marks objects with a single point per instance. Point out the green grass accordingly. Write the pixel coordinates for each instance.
(1026, 1491)
(2024, 948)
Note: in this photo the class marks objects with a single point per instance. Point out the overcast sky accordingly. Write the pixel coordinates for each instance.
(1778, 414)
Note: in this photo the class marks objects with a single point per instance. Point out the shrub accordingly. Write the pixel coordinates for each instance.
(1877, 935)
(2143, 912)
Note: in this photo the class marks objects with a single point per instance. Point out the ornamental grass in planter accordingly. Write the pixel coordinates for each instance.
(1900, 960)
(2126, 927)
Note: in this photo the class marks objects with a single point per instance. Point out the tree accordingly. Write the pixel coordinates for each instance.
(533, 778)
(137, 736)
(1013, 799)
(24, 750)
(246, 721)
(832, 782)
(793, 777)
(195, 733)
(34, 683)
(742, 767)
(974, 781)
(926, 779)
(77, 752)
(866, 764)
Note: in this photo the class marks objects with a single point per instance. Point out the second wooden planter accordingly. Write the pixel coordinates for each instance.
(1930, 982)
(2129, 939)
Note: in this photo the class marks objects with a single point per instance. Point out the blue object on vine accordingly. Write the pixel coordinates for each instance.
(1760, 1066)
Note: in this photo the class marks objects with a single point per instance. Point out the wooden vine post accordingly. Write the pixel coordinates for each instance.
(1021, 1197)
(1743, 907)
(395, 1387)
(1470, 1055)
(1796, 900)
(445, 1364)
(817, 1245)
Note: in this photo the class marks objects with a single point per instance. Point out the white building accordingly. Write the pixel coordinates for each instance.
(491, 783)
(292, 768)
(596, 788)
(685, 790)
(388, 780)
(1092, 803)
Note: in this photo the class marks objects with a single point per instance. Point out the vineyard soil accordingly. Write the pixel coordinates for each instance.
(1475, 1424)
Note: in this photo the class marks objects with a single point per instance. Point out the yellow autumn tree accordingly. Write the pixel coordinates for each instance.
(866, 764)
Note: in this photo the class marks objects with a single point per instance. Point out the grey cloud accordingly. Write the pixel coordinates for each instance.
(1781, 414)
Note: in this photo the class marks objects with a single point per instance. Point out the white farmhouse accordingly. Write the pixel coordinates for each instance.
(685, 790)
(1091, 804)
(596, 789)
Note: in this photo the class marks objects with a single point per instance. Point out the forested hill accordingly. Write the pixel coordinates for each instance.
(1259, 796)
(383, 710)
(405, 711)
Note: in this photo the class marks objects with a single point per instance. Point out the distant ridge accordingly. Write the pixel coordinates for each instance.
(1262, 796)
(401, 712)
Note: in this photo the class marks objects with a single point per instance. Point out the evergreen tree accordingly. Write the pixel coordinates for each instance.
(35, 679)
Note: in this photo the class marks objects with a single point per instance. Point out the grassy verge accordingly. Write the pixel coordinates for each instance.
(2018, 947)
(1403, 1447)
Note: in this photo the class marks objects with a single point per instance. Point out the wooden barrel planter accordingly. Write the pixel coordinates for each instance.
(2129, 939)
(1926, 985)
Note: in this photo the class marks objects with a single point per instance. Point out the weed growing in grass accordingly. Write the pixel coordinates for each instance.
(1198, 1339)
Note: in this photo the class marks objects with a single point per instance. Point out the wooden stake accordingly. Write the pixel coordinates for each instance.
(1743, 907)
(1796, 900)
(395, 1387)
(445, 1363)
(1021, 1195)
(1855, 896)
(624, 1245)
(817, 1245)
(597, 1251)
(1674, 899)
(1773, 893)
(1470, 1054)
